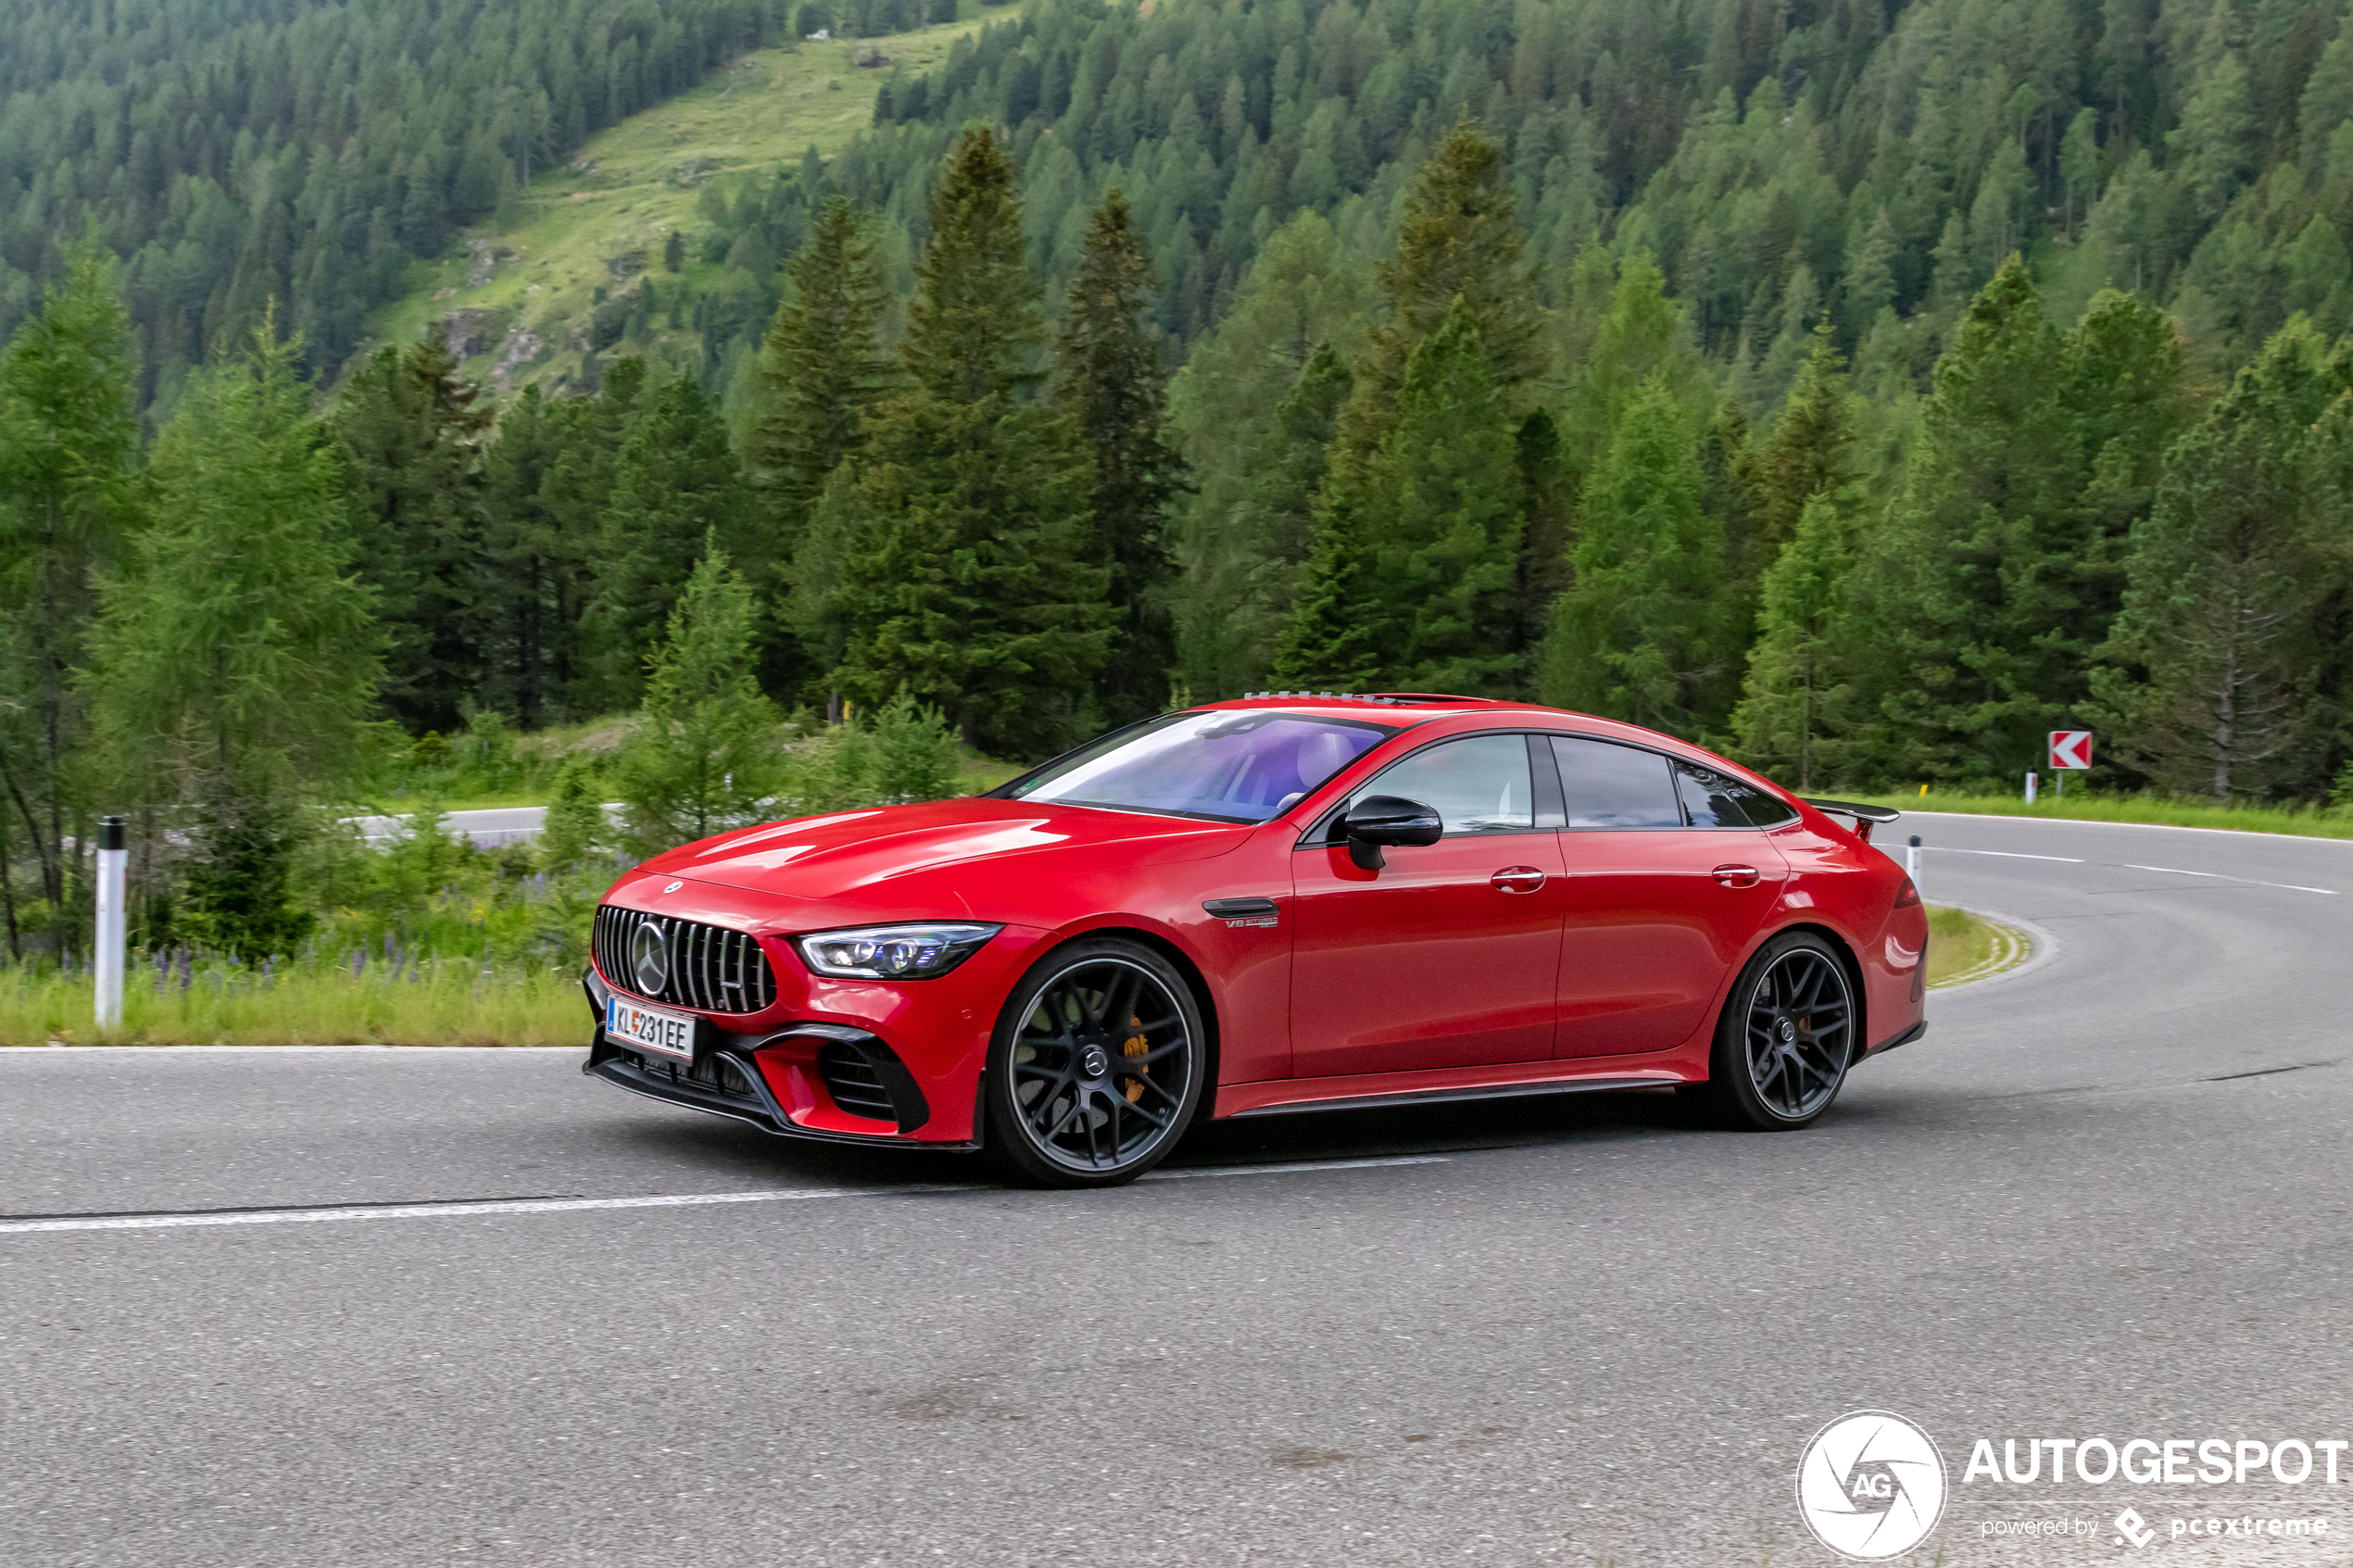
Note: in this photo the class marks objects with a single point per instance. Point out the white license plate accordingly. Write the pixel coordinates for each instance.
(651, 1029)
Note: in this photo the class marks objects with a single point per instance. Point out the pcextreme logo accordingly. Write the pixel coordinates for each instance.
(1870, 1486)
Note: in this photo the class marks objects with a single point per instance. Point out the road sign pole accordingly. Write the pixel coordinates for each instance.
(113, 884)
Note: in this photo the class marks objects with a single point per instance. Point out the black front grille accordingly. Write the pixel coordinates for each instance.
(711, 968)
(853, 1083)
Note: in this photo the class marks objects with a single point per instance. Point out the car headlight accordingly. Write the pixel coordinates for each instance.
(894, 952)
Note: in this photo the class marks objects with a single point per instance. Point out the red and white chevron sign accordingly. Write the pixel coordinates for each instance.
(2070, 749)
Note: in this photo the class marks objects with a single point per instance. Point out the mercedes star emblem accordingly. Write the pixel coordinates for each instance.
(650, 957)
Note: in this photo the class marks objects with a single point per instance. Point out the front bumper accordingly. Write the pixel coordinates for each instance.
(794, 1080)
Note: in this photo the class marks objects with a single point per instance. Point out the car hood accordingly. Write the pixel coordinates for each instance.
(845, 858)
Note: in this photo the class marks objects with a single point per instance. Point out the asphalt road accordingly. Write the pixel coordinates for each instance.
(2106, 1197)
(487, 826)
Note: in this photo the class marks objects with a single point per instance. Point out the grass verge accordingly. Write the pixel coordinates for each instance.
(2311, 822)
(425, 1002)
(1963, 946)
(599, 221)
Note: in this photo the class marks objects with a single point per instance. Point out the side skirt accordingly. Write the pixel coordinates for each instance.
(1439, 1097)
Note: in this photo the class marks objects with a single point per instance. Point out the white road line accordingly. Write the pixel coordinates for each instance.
(2106, 822)
(1297, 1166)
(2218, 877)
(2001, 854)
(573, 1205)
(2126, 865)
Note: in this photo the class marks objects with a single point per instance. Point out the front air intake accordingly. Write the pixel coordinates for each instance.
(683, 963)
(856, 1088)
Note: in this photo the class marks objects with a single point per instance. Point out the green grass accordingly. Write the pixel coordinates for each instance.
(445, 1001)
(2315, 821)
(1961, 947)
(634, 182)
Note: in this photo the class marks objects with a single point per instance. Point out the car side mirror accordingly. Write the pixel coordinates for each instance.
(1380, 820)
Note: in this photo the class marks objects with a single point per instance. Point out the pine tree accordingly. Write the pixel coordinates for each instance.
(1641, 334)
(2079, 169)
(1811, 450)
(541, 570)
(2221, 662)
(1964, 585)
(1798, 695)
(574, 826)
(975, 323)
(963, 537)
(68, 443)
(1458, 239)
(572, 499)
(2123, 384)
(1436, 514)
(1643, 634)
(1257, 403)
(675, 483)
(1423, 487)
(1245, 575)
(1548, 503)
(822, 369)
(1109, 388)
(236, 660)
(413, 435)
(706, 755)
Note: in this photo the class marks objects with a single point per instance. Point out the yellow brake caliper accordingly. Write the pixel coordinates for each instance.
(1134, 1046)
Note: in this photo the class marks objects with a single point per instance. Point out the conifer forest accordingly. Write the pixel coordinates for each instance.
(1859, 388)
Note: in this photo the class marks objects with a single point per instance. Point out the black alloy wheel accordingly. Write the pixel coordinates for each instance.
(1786, 1039)
(1095, 1067)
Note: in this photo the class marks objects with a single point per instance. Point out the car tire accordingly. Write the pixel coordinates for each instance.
(1096, 1067)
(1785, 1040)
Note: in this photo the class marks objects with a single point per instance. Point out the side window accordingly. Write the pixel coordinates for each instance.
(1710, 799)
(1718, 800)
(1609, 785)
(1480, 784)
(1762, 808)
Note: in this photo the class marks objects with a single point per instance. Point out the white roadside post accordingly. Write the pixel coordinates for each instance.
(113, 879)
(2030, 789)
(1912, 860)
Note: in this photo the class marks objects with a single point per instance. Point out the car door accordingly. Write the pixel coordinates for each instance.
(1448, 955)
(1662, 899)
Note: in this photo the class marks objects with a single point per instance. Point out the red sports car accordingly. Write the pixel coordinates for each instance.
(1291, 902)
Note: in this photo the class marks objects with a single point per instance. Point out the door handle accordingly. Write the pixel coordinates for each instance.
(1735, 876)
(1518, 878)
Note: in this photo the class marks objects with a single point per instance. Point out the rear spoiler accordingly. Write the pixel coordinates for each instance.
(1865, 816)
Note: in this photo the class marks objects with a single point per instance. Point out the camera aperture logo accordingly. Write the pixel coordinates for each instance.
(1870, 1486)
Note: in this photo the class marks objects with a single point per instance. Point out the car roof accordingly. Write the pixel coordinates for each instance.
(1381, 707)
(1406, 710)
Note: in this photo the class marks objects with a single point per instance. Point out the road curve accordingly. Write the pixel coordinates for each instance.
(2107, 1194)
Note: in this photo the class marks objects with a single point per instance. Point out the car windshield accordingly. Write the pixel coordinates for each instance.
(1232, 767)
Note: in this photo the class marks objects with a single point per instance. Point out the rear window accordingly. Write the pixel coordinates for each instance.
(1606, 786)
(1716, 800)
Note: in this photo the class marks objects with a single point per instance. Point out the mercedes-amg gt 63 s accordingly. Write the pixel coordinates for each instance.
(1292, 903)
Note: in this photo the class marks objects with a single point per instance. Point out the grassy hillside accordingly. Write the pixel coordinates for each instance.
(518, 291)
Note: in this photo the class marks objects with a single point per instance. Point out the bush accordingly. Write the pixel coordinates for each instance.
(905, 752)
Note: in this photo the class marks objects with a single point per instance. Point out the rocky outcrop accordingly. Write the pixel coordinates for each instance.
(469, 332)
